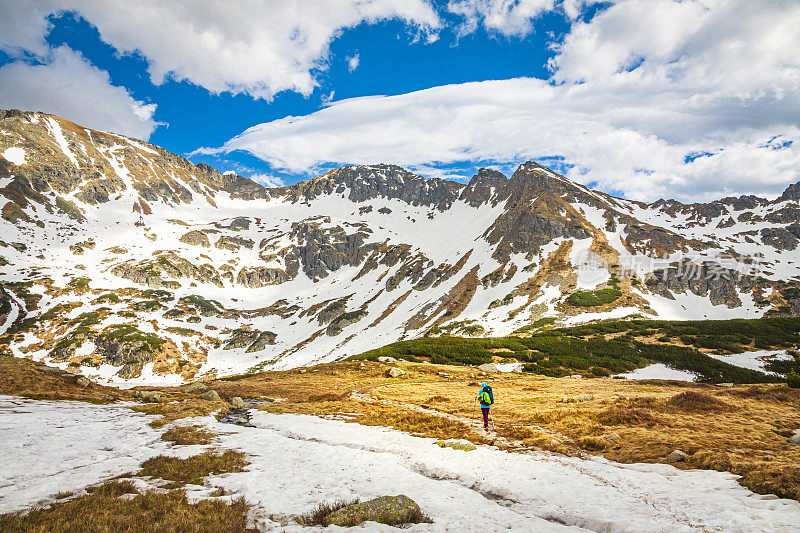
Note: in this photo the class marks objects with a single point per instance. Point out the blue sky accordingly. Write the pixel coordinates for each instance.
(638, 98)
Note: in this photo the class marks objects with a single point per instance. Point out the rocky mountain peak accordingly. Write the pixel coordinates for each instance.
(791, 193)
(368, 182)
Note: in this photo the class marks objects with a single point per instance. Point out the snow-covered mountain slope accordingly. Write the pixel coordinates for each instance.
(132, 264)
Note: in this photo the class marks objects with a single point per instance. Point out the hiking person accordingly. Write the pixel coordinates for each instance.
(486, 399)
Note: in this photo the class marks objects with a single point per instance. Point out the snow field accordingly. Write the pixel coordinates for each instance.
(299, 461)
(48, 447)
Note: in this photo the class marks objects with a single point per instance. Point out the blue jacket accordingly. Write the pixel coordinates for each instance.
(491, 397)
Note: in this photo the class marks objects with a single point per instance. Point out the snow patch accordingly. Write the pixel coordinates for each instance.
(51, 447)
(15, 155)
(660, 371)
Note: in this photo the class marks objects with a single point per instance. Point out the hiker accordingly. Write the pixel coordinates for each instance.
(486, 398)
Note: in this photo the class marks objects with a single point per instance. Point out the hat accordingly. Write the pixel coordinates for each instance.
(484, 384)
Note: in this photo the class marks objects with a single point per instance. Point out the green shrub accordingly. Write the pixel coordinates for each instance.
(594, 298)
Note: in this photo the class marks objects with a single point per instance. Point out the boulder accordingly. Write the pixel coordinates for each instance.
(488, 368)
(237, 402)
(795, 439)
(585, 398)
(83, 382)
(197, 386)
(211, 396)
(677, 456)
(726, 385)
(395, 372)
(148, 395)
(387, 359)
(390, 510)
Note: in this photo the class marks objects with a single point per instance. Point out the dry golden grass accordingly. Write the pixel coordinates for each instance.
(743, 429)
(194, 468)
(21, 377)
(103, 511)
(186, 435)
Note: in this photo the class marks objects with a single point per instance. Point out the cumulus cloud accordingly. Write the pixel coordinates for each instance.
(507, 17)
(637, 92)
(69, 86)
(352, 63)
(268, 180)
(250, 46)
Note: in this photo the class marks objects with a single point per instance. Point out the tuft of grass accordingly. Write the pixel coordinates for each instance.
(694, 401)
(620, 415)
(172, 411)
(193, 469)
(103, 510)
(320, 515)
(187, 435)
(327, 397)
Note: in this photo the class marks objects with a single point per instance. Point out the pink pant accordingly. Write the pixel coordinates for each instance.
(485, 411)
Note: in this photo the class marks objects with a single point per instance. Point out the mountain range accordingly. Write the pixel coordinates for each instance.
(131, 264)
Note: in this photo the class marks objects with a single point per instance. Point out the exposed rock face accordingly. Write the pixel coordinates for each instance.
(368, 182)
(234, 243)
(254, 340)
(261, 277)
(779, 238)
(707, 279)
(197, 238)
(791, 193)
(342, 321)
(322, 249)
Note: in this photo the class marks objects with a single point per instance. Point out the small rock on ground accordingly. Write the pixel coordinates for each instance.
(395, 372)
(677, 456)
(148, 395)
(211, 396)
(198, 386)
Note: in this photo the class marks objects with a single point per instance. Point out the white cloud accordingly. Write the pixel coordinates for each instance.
(508, 17)
(267, 180)
(69, 86)
(352, 63)
(260, 48)
(635, 90)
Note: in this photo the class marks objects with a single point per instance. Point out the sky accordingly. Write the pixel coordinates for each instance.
(692, 100)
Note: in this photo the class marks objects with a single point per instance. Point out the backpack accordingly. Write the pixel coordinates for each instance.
(485, 397)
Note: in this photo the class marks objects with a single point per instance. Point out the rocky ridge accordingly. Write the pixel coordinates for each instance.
(231, 275)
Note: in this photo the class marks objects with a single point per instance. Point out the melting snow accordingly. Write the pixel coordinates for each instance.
(660, 371)
(58, 135)
(15, 155)
(298, 461)
(753, 360)
(52, 447)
